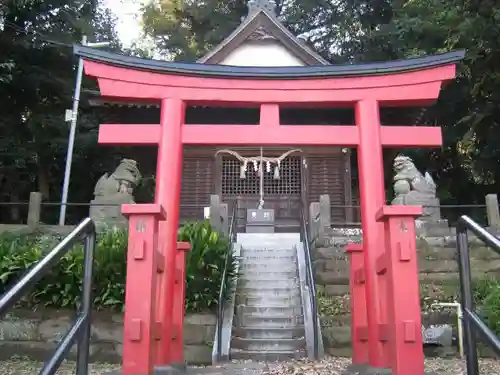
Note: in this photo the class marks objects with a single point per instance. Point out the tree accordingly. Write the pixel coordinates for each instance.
(36, 86)
(362, 30)
(467, 109)
(186, 30)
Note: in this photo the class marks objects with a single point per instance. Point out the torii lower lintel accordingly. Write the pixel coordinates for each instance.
(286, 135)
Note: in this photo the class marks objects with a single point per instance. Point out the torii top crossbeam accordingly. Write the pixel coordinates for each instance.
(411, 82)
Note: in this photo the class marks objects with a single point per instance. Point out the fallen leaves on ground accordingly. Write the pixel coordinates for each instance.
(326, 366)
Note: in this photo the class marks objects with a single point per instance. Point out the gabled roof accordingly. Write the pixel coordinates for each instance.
(262, 24)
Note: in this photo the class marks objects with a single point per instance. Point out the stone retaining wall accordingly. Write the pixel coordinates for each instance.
(438, 280)
(336, 332)
(35, 334)
(23, 229)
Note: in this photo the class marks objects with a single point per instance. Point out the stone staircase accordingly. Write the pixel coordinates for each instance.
(269, 322)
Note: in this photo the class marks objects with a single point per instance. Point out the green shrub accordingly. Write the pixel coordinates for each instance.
(487, 302)
(205, 265)
(481, 288)
(61, 287)
(491, 309)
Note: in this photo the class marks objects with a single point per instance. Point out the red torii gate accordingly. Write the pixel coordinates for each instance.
(155, 289)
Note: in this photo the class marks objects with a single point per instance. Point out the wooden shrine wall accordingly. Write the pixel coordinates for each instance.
(327, 171)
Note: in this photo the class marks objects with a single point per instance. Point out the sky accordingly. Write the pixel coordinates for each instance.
(127, 13)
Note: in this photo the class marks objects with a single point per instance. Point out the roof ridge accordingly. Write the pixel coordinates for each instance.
(256, 5)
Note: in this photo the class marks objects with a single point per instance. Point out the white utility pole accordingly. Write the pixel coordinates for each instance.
(72, 130)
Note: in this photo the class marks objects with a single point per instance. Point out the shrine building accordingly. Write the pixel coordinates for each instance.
(261, 40)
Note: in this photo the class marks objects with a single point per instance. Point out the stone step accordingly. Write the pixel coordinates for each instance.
(267, 345)
(269, 258)
(270, 239)
(268, 284)
(266, 247)
(252, 291)
(268, 293)
(266, 251)
(270, 310)
(230, 368)
(258, 356)
(271, 301)
(262, 266)
(269, 333)
(267, 274)
(269, 320)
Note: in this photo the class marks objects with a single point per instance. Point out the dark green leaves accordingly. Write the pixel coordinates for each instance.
(61, 288)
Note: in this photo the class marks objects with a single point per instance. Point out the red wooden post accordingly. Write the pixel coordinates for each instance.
(161, 352)
(359, 323)
(403, 293)
(168, 191)
(177, 349)
(372, 197)
(141, 330)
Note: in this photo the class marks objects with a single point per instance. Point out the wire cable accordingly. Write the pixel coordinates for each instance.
(36, 34)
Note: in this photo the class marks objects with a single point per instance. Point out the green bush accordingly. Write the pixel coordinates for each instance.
(61, 287)
(487, 302)
(205, 265)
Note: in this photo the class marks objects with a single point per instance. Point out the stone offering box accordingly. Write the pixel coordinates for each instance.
(260, 221)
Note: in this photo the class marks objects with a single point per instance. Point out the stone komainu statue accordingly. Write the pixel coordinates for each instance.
(113, 190)
(413, 188)
(122, 181)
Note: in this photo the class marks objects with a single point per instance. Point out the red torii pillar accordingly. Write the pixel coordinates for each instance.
(174, 85)
(167, 194)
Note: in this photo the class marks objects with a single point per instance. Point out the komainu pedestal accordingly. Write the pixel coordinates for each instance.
(112, 191)
(414, 189)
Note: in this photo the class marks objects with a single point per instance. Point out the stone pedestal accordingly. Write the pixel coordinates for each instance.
(492, 212)
(428, 227)
(260, 221)
(430, 223)
(432, 209)
(106, 212)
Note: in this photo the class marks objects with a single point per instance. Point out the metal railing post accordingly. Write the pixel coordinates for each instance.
(222, 290)
(82, 360)
(466, 299)
(79, 332)
(310, 282)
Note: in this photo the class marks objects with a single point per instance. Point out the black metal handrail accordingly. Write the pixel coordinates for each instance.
(80, 330)
(471, 321)
(311, 284)
(222, 291)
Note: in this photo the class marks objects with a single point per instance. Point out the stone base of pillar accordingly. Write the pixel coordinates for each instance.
(172, 369)
(106, 213)
(432, 228)
(360, 369)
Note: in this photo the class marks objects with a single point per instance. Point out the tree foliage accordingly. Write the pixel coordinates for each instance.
(468, 109)
(36, 86)
(355, 31)
(37, 72)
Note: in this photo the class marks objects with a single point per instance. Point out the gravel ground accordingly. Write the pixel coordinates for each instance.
(327, 366)
(335, 366)
(22, 366)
